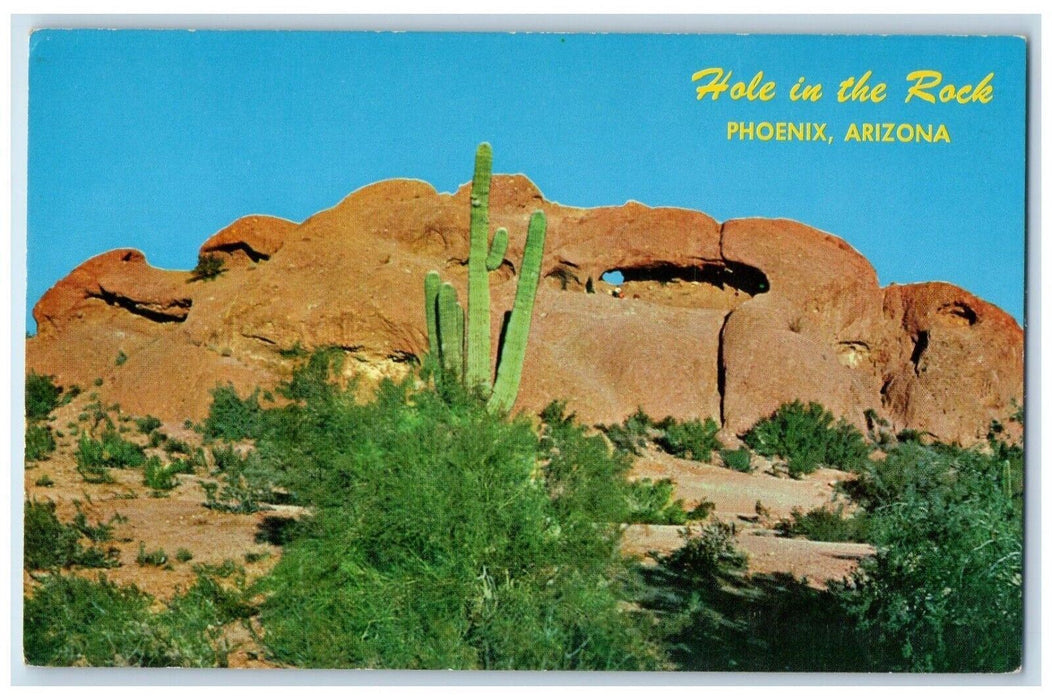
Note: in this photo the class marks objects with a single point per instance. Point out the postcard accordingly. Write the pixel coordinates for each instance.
(525, 351)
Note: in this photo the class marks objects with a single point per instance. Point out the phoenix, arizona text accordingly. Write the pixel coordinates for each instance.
(925, 85)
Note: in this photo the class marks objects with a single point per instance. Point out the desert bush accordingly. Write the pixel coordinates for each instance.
(690, 439)
(161, 477)
(42, 396)
(244, 485)
(208, 268)
(739, 460)
(51, 544)
(706, 554)
(807, 438)
(157, 557)
(944, 592)
(632, 434)
(70, 620)
(651, 502)
(825, 525)
(442, 536)
(40, 442)
(147, 424)
(231, 417)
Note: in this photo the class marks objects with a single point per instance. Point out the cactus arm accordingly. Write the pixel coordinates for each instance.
(509, 371)
(477, 369)
(451, 330)
(432, 283)
(497, 249)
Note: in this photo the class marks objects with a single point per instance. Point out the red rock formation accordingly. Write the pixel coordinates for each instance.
(249, 239)
(726, 321)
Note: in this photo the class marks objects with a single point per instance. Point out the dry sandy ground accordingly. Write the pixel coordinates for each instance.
(753, 503)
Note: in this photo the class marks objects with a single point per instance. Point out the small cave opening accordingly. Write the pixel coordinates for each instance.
(708, 285)
(957, 314)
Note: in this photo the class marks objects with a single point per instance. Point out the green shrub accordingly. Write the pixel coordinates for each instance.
(944, 593)
(825, 525)
(42, 396)
(147, 424)
(183, 555)
(441, 536)
(739, 460)
(160, 477)
(231, 417)
(157, 557)
(71, 621)
(96, 457)
(51, 544)
(705, 555)
(691, 439)
(630, 436)
(121, 358)
(208, 268)
(651, 502)
(39, 442)
(44, 480)
(807, 438)
(173, 446)
(244, 485)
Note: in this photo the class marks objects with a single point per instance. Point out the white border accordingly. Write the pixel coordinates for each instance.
(12, 314)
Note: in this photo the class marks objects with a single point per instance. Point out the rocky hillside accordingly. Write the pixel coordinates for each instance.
(725, 320)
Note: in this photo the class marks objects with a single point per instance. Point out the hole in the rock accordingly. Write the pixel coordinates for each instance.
(958, 314)
(709, 285)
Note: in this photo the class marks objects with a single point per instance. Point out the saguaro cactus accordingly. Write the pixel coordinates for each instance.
(432, 282)
(477, 369)
(445, 317)
(450, 330)
(513, 354)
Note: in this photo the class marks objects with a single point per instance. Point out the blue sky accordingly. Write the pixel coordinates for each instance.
(156, 140)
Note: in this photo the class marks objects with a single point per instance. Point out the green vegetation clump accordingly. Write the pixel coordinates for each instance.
(231, 417)
(441, 535)
(161, 477)
(96, 457)
(40, 442)
(631, 436)
(157, 557)
(807, 438)
(208, 268)
(690, 439)
(147, 424)
(73, 621)
(52, 544)
(739, 460)
(825, 525)
(944, 593)
(42, 396)
(706, 554)
(651, 502)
